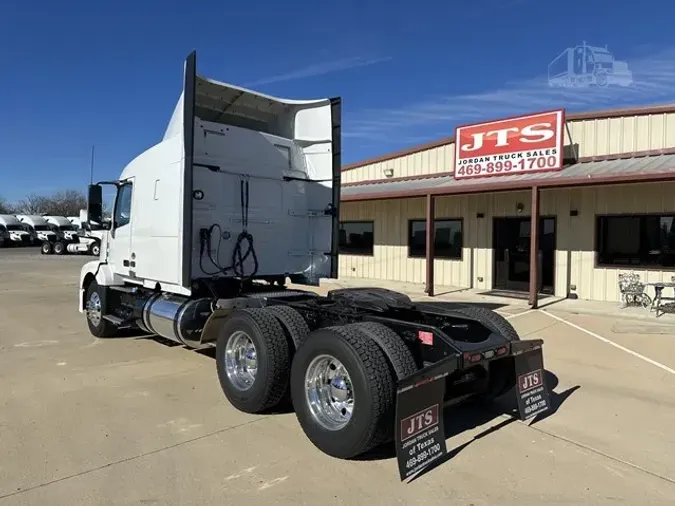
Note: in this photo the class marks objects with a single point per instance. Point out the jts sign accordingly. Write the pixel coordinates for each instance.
(519, 145)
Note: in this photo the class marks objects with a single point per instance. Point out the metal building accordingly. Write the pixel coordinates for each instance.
(607, 208)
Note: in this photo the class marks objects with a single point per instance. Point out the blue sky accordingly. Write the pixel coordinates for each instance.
(78, 73)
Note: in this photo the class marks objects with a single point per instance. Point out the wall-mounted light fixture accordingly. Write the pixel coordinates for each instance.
(519, 207)
(480, 215)
(574, 212)
(388, 172)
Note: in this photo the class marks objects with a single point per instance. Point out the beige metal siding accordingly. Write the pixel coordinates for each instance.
(595, 137)
(575, 236)
(390, 260)
(610, 136)
(430, 161)
(602, 283)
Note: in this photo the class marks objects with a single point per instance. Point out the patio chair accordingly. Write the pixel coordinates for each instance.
(633, 291)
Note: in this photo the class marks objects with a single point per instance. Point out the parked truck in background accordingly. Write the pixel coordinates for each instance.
(74, 236)
(32, 234)
(37, 225)
(4, 236)
(18, 235)
(62, 225)
(241, 194)
(77, 235)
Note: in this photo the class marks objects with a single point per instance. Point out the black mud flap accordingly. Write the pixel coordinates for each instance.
(420, 431)
(532, 394)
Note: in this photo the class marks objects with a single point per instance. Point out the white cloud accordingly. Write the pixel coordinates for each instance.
(320, 69)
(653, 79)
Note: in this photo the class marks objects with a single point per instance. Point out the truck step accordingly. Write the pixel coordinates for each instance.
(124, 289)
(116, 320)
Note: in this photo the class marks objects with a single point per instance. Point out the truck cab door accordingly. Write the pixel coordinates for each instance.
(119, 246)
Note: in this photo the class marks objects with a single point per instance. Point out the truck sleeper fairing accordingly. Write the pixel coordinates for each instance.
(260, 170)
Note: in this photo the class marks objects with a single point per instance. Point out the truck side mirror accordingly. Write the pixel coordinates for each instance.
(95, 203)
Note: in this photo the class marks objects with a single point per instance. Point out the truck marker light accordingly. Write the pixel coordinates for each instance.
(501, 351)
(489, 354)
(426, 337)
(472, 357)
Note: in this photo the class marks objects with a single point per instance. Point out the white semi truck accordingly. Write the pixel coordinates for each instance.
(39, 226)
(62, 225)
(74, 237)
(241, 194)
(4, 236)
(18, 235)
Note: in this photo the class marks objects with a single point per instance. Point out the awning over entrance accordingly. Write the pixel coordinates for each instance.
(659, 167)
(622, 170)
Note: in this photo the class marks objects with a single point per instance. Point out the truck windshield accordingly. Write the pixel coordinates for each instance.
(42, 228)
(15, 228)
(67, 228)
(559, 67)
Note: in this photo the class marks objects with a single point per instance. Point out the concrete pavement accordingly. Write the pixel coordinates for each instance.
(134, 421)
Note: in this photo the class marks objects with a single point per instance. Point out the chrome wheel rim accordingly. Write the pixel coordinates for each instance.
(96, 250)
(94, 309)
(329, 392)
(241, 360)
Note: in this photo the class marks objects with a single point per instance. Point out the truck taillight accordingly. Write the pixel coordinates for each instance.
(474, 358)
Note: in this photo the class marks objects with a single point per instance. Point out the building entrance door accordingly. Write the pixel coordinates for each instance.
(511, 244)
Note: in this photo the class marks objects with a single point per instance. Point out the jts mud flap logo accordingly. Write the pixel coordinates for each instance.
(529, 381)
(419, 422)
(532, 394)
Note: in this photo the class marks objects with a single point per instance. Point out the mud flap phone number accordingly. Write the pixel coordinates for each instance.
(419, 433)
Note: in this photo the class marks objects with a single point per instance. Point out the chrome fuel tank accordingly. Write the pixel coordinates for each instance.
(176, 318)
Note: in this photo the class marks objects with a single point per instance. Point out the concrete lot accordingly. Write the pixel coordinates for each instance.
(134, 421)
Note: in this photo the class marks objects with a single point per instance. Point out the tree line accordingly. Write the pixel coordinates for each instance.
(61, 203)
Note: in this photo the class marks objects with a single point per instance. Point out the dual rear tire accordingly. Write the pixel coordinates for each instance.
(58, 248)
(341, 380)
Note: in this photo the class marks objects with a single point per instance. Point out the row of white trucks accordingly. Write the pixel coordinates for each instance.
(55, 234)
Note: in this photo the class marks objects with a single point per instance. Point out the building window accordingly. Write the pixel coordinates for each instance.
(447, 239)
(356, 238)
(636, 241)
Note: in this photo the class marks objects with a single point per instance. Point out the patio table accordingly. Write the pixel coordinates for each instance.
(658, 293)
